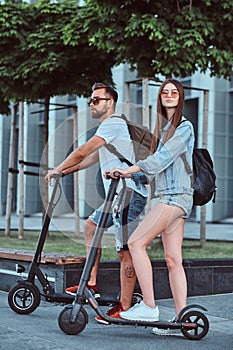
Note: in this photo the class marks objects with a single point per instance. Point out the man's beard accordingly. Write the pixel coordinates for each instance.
(97, 115)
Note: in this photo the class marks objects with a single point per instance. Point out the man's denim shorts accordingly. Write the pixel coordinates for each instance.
(123, 231)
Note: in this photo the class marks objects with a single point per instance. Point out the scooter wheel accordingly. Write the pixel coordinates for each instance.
(24, 298)
(137, 298)
(201, 322)
(72, 328)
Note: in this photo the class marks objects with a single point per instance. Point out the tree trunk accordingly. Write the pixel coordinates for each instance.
(11, 174)
(44, 185)
(204, 145)
(76, 191)
(146, 122)
(21, 171)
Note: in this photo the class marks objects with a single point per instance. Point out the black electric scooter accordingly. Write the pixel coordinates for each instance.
(25, 296)
(73, 318)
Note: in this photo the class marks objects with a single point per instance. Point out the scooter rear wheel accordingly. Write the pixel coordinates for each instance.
(137, 298)
(202, 325)
(24, 298)
(72, 328)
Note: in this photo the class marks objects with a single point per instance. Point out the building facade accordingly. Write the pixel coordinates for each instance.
(61, 141)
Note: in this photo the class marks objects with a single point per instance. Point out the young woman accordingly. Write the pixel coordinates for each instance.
(174, 199)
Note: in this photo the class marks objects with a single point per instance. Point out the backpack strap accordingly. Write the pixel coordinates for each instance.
(182, 121)
(183, 157)
(186, 164)
(113, 149)
(122, 116)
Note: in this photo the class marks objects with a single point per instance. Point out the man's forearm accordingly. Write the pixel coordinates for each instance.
(86, 163)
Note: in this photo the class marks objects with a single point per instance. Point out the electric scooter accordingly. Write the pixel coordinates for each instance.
(25, 296)
(73, 318)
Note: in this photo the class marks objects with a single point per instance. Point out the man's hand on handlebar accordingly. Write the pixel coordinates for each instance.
(52, 174)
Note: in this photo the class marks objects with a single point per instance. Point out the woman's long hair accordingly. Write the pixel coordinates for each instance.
(161, 118)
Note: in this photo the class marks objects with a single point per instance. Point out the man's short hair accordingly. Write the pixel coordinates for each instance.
(108, 88)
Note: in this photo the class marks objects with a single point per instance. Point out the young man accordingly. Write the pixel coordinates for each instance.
(110, 131)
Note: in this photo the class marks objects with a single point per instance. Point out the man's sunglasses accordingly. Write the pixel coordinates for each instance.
(96, 100)
(173, 94)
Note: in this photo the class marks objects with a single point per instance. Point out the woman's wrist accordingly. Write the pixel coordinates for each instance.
(134, 169)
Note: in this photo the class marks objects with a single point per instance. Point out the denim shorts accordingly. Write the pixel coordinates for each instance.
(182, 200)
(124, 226)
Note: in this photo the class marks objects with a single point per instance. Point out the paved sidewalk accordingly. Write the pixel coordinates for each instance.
(40, 330)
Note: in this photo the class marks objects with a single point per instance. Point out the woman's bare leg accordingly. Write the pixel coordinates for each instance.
(172, 242)
(157, 221)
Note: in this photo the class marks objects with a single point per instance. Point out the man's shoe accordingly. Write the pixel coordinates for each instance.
(114, 312)
(73, 290)
(141, 312)
(169, 331)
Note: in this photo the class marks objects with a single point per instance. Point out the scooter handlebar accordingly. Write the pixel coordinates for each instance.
(57, 176)
(116, 174)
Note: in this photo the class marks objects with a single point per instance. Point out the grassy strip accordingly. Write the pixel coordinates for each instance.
(58, 242)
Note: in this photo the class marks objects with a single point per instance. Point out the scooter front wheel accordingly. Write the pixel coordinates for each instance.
(24, 298)
(201, 325)
(72, 328)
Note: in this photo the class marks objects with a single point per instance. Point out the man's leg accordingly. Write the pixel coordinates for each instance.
(133, 204)
(127, 281)
(127, 278)
(89, 230)
(127, 274)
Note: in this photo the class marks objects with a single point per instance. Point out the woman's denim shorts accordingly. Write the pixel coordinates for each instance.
(184, 201)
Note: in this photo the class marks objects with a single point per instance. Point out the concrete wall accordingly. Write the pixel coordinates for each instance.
(205, 277)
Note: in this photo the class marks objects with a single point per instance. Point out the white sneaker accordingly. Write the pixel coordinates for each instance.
(169, 331)
(141, 312)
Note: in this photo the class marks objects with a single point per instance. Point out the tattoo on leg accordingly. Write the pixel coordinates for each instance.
(129, 272)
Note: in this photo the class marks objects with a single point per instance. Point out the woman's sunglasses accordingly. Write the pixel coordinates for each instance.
(173, 94)
(96, 100)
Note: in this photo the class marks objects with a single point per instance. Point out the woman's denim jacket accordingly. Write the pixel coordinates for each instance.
(166, 164)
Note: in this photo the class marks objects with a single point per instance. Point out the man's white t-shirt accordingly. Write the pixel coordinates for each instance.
(115, 131)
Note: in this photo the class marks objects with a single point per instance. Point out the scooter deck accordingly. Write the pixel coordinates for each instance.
(68, 299)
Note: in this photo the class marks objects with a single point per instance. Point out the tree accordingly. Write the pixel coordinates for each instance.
(35, 61)
(166, 37)
(4, 105)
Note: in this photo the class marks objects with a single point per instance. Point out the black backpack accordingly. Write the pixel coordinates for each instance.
(203, 176)
(141, 138)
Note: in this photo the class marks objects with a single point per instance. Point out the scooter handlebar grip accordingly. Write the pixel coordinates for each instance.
(116, 174)
(57, 176)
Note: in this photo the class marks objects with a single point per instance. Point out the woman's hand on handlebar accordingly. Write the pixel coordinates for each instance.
(127, 172)
(115, 172)
(107, 175)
